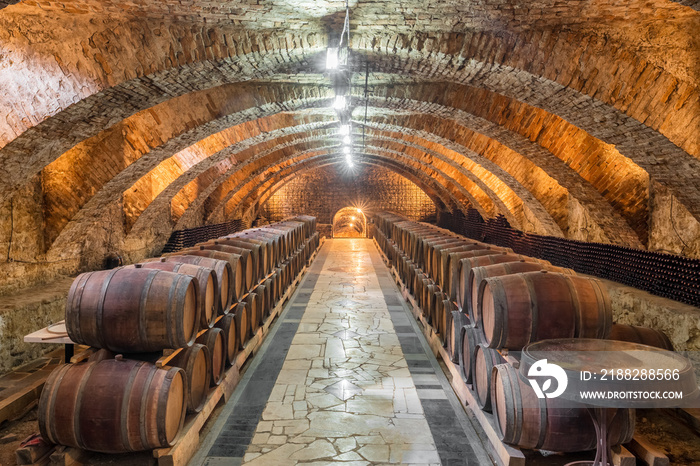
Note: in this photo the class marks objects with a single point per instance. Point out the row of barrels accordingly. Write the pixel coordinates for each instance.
(500, 303)
(193, 310)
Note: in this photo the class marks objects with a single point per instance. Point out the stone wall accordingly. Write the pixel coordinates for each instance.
(324, 191)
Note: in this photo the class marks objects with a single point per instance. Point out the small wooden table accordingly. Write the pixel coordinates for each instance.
(54, 334)
(611, 367)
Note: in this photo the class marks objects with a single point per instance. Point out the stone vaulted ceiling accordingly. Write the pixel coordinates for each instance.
(155, 115)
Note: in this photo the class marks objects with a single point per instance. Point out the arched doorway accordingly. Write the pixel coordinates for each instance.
(349, 222)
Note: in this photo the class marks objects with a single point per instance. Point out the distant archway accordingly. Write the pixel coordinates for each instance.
(349, 222)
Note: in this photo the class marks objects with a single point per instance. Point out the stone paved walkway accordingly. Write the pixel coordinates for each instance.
(344, 391)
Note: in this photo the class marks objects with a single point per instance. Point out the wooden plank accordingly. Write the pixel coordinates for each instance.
(28, 391)
(690, 416)
(67, 456)
(33, 450)
(648, 453)
(623, 457)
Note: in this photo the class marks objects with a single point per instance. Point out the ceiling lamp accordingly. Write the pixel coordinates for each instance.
(347, 140)
(344, 130)
(340, 102)
(332, 58)
(346, 150)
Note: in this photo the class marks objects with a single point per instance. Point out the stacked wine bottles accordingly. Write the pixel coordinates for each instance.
(195, 309)
(487, 304)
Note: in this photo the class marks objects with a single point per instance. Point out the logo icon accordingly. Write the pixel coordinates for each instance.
(542, 369)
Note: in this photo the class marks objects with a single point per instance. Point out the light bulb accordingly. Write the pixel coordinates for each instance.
(344, 130)
(332, 58)
(340, 102)
(347, 140)
(346, 150)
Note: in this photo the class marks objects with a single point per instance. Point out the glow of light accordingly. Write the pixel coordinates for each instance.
(359, 210)
(347, 140)
(332, 58)
(351, 225)
(352, 218)
(340, 102)
(344, 130)
(346, 150)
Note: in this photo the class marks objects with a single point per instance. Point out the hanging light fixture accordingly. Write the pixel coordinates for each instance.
(340, 102)
(344, 130)
(332, 60)
(346, 150)
(347, 140)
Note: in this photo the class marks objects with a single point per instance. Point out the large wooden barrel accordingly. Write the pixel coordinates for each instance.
(243, 257)
(485, 359)
(214, 340)
(132, 310)
(519, 309)
(269, 296)
(455, 260)
(444, 262)
(238, 275)
(227, 324)
(468, 264)
(458, 321)
(258, 253)
(222, 269)
(272, 242)
(240, 313)
(196, 362)
(470, 338)
(266, 250)
(262, 303)
(469, 295)
(113, 406)
(252, 304)
(551, 424)
(643, 335)
(206, 283)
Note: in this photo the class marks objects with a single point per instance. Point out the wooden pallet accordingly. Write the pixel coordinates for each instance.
(188, 440)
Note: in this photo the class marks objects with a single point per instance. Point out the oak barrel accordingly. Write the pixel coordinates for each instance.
(470, 338)
(113, 406)
(523, 308)
(132, 310)
(643, 335)
(485, 359)
(252, 304)
(552, 424)
(227, 324)
(222, 269)
(243, 257)
(214, 340)
(206, 283)
(478, 274)
(196, 362)
(240, 314)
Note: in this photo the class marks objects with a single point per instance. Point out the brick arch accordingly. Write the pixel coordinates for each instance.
(586, 64)
(539, 141)
(664, 161)
(226, 193)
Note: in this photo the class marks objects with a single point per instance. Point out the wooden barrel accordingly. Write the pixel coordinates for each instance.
(455, 260)
(484, 360)
(269, 296)
(223, 272)
(236, 278)
(643, 335)
(243, 257)
(240, 314)
(196, 362)
(132, 310)
(261, 291)
(444, 262)
(227, 324)
(207, 284)
(467, 264)
(526, 307)
(478, 274)
(272, 243)
(551, 424)
(471, 337)
(113, 406)
(266, 250)
(258, 253)
(252, 308)
(459, 320)
(214, 340)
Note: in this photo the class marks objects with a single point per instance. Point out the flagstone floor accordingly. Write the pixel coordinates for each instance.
(345, 378)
